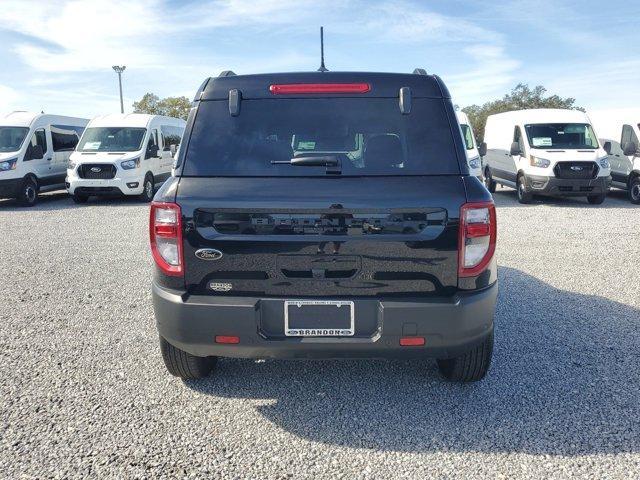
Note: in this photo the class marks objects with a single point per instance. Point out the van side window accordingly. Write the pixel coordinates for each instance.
(38, 138)
(171, 136)
(517, 137)
(64, 138)
(628, 135)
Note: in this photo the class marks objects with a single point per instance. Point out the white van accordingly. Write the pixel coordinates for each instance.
(473, 157)
(124, 154)
(620, 136)
(545, 152)
(34, 152)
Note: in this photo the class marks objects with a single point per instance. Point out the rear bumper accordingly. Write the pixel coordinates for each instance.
(450, 326)
(9, 187)
(539, 185)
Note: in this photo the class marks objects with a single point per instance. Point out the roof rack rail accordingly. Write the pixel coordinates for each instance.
(227, 73)
(420, 71)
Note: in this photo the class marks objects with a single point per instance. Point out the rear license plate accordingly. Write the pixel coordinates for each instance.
(318, 318)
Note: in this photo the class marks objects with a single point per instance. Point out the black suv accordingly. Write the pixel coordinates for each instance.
(324, 215)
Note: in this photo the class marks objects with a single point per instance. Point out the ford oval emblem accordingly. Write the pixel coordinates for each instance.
(208, 254)
(96, 169)
(576, 168)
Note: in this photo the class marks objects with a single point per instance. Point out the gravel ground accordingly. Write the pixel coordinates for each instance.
(84, 393)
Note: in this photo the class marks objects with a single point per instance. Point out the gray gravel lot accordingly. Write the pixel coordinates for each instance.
(84, 393)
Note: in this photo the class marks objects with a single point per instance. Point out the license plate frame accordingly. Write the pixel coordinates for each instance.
(320, 331)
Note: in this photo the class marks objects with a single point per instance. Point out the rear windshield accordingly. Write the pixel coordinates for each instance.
(561, 135)
(364, 136)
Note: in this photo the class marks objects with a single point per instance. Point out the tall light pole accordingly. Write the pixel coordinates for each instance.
(119, 71)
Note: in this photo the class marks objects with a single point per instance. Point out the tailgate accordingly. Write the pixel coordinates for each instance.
(321, 237)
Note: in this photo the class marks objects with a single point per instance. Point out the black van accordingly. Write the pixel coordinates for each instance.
(324, 215)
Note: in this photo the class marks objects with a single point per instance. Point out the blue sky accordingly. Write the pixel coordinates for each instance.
(57, 55)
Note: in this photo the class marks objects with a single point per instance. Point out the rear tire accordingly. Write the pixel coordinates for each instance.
(596, 199)
(524, 196)
(470, 367)
(148, 189)
(488, 180)
(634, 190)
(28, 193)
(184, 365)
(79, 198)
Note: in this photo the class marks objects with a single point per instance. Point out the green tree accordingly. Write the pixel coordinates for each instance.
(176, 107)
(520, 98)
(171, 106)
(149, 103)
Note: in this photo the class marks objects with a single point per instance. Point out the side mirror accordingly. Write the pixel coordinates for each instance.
(630, 149)
(482, 149)
(515, 149)
(35, 152)
(152, 151)
(607, 147)
(173, 148)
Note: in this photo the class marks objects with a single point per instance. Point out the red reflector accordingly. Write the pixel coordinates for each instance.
(227, 339)
(166, 230)
(319, 88)
(478, 230)
(412, 341)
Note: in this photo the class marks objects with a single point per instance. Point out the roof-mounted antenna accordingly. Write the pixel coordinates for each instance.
(322, 67)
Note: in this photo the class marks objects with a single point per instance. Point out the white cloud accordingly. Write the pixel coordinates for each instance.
(9, 99)
(491, 73)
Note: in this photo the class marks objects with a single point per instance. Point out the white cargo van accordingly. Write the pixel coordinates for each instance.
(34, 152)
(124, 154)
(620, 136)
(473, 157)
(550, 152)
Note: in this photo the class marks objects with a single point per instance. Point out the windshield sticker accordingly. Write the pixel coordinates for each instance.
(542, 142)
(306, 145)
(92, 145)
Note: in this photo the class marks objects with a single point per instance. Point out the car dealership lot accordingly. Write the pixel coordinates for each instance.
(83, 391)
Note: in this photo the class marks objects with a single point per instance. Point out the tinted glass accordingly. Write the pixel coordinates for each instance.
(468, 136)
(171, 135)
(561, 135)
(367, 136)
(65, 138)
(11, 138)
(112, 139)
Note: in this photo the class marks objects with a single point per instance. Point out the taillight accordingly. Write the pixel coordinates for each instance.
(292, 88)
(477, 242)
(165, 231)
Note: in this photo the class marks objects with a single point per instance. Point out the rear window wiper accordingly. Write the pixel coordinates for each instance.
(311, 161)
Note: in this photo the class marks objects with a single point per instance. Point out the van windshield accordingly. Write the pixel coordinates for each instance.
(468, 136)
(11, 138)
(561, 135)
(112, 139)
(349, 136)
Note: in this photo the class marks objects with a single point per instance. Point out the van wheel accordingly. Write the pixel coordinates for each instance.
(596, 199)
(489, 182)
(524, 196)
(470, 367)
(79, 198)
(184, 365)
(148, 190)
(28, 193)
(634, 190)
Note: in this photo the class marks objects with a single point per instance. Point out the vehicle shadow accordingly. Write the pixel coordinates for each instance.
(564, 381)
(506, 197)
(61, 200)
